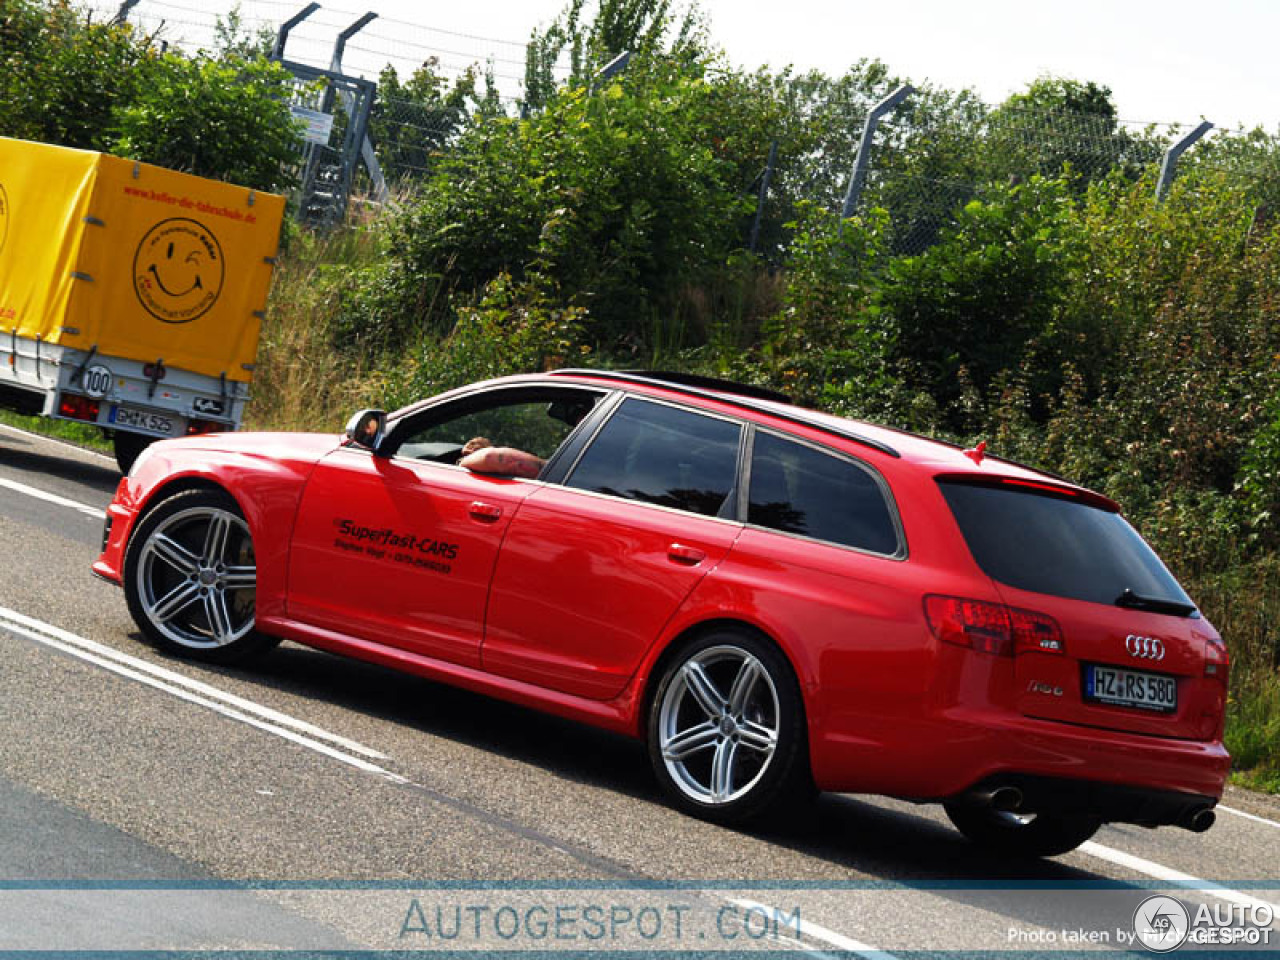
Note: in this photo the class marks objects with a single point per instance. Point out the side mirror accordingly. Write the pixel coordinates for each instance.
(367, 429)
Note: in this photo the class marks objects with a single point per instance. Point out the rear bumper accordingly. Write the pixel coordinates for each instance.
(943, 758)
(1111, 802)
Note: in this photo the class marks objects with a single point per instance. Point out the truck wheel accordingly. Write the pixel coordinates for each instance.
(128, 446)
(190, 578)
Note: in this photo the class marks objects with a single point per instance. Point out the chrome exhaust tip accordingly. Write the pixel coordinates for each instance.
(1005, 799)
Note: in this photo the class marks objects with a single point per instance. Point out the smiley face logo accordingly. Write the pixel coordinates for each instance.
(4, 216)
(178, 270)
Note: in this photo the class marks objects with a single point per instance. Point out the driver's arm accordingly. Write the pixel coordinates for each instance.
(506, 461)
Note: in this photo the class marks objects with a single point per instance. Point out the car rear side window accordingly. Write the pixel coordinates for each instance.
(1057, 545)
(798, 489)
(665, 455)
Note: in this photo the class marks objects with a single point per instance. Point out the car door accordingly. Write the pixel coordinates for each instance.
(400, 549)
(592, 569)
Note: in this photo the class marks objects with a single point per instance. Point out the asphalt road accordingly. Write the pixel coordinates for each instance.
(311, 802)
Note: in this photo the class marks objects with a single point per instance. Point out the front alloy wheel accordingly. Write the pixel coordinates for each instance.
(191, 577)
(726, 732)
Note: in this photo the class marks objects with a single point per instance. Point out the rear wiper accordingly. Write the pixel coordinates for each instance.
(1155, 604)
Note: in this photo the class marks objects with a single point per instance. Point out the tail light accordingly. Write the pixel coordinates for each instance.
(205, 426)
(992, 627)
(1217, 662)
(76, 407)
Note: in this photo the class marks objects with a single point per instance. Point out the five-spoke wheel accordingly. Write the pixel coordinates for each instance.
(726, 728)
(191, 577)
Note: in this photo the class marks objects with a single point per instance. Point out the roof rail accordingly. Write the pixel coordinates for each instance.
(740, 395)
(712, 383)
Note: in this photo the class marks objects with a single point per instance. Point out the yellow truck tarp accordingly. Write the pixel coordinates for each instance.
(133, 259)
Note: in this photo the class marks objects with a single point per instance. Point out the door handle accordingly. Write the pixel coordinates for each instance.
(690, 556)
(484, 512)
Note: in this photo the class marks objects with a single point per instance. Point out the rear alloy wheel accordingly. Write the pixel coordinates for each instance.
(191, 578)
(726, 729)
(1021, 834)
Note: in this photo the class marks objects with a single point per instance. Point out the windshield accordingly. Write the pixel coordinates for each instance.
(1056, 545)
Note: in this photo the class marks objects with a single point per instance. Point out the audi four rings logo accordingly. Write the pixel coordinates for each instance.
(1146, 648)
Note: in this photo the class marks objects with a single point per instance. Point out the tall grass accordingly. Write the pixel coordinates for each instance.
(301, 381)
(1243, 602)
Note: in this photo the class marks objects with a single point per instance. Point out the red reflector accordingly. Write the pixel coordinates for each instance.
(78, 408)
(205, 426)
(992, 627)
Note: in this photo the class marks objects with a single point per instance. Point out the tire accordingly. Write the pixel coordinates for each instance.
(726, 730)
(128, 446)
(1021, 835)
(190, 578)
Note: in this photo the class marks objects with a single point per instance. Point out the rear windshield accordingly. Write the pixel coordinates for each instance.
(1056, 545)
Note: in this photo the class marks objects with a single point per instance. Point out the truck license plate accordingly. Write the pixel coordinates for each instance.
(143, 420)
(1130, 688)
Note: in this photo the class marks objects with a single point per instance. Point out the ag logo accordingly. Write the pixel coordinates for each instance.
(178, 270)
(4, 216)
(1161, 923)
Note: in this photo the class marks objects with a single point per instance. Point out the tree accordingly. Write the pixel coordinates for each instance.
(1060, 125)
(226, 119)
(641, 27)
(412, 121)
(63, 76)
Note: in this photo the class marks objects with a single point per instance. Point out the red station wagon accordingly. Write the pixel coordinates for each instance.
(772, 599)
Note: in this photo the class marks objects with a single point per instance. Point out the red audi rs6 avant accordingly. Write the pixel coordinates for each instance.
(773, 599)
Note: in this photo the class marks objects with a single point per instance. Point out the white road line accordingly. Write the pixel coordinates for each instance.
(1248, 816)
(818, 932)
(168, 680)
(1169, 875)
(62, 443)
(52, 498)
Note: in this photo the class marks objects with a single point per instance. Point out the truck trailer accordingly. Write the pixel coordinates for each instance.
(131, 295)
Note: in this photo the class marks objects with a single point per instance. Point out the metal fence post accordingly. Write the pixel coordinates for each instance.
(610, 69)
(340, 45)
(282, 35)
(367, 153)
(1169, 165)
(122, 15)
(858, 176)
(764, 193)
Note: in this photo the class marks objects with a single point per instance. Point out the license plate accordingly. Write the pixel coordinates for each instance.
(1130, 688)
(143, 420)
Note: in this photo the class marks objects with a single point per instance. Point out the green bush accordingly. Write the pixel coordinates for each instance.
(63, 76)
(974, 304)
(515, 327)
(226, 119)
(620, 198)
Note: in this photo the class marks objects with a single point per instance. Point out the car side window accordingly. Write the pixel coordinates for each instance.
(661, 454)
(535, 421)
(798, 489)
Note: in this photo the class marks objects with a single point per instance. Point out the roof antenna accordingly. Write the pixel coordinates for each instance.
(977, 453)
